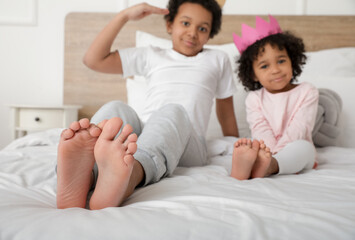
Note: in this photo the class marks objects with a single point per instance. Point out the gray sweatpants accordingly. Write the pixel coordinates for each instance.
(165, 141)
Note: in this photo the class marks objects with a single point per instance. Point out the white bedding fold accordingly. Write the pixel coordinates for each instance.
(45, 138)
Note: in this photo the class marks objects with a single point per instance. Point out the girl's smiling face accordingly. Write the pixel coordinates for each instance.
(273, 69)
(190, 29)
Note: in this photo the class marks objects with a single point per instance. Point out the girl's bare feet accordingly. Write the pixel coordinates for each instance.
(244, 156)
(75, 163)
(114, 158)
(262, 163)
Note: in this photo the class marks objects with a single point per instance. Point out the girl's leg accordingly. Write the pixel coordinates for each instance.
(263, 165)
(295, 157)
(245, 154)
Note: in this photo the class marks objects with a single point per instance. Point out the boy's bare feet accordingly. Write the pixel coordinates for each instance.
(75, 163)
(114, 158)
(244, 156)
(262, 163)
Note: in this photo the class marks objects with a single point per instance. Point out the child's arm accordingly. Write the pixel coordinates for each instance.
(259, 126)
(226, 117)
(303, 120)
(99, 56)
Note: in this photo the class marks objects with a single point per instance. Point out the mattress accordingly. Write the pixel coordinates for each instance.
(193, 203)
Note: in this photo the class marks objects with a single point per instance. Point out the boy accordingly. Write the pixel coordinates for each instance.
(182, 83)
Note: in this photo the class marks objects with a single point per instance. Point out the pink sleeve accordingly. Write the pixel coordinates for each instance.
(303, 120)
(259, 126)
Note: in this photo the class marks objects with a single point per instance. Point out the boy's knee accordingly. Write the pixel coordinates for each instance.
(113, 104)
(117, 108)
(176, 110)
(111, 109)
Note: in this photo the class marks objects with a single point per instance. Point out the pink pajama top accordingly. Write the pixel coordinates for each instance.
(281, 118)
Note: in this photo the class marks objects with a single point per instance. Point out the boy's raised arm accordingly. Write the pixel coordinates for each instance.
(99, 56)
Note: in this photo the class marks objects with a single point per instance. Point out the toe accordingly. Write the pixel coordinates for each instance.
(75, 126)
(267, 150)
(94, 130)
(131, 148)
(129, 160)
(126, 131)
(84, 123)
(132, 138)
(256, 145)
(262, 144)
(102, 123)
(111, 128)
(67, 134)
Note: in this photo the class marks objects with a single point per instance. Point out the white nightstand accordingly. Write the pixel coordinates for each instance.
(27, 118)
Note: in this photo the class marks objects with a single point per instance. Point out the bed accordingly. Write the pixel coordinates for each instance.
(200, 202)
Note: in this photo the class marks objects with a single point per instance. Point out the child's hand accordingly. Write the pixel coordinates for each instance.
(142, 10)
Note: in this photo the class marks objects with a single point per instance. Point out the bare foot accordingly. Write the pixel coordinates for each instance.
(262, 163)
(244, 156)
(75, 163)
(114, 158)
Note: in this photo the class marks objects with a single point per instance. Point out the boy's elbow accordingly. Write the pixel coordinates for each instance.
(88, 62)
(105, 65)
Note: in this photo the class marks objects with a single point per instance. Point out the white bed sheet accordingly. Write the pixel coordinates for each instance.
(195, 203)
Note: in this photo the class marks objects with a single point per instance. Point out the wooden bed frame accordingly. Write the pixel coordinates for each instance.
(91, 90)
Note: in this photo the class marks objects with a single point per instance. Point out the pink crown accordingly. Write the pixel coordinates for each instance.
(251, 35)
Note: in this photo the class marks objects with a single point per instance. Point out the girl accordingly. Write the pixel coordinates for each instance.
(280, 113)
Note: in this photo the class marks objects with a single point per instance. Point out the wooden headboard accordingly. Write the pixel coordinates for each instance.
(91, 89)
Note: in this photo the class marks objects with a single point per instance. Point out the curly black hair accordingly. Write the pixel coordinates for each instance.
(210, 5)
(295, 49)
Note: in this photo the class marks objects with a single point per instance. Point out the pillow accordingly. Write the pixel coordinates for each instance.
(331, 62)
(335, 69)
(136, 88)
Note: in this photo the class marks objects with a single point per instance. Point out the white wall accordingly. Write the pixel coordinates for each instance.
(31, 57)
(291, 7)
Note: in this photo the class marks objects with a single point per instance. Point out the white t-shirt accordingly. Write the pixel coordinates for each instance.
(172, 77)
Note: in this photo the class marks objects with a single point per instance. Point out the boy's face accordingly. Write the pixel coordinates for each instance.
(273, 69)
(190, 29)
